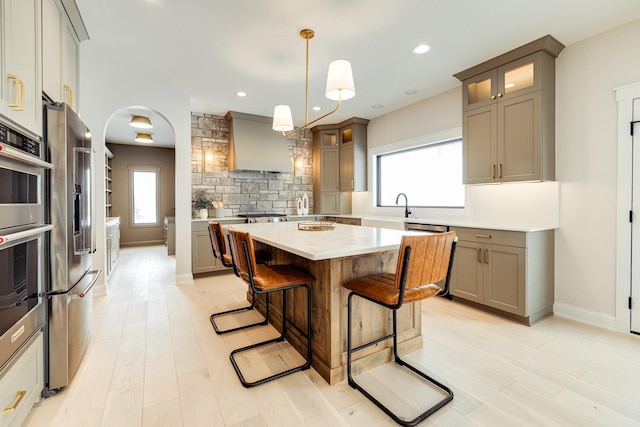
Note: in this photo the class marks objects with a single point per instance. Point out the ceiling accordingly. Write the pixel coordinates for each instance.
(210, 49)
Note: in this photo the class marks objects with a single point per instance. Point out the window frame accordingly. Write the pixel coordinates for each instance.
(418, 145)
(139, 168)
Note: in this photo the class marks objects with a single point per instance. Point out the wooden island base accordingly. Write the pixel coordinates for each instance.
(329, 313)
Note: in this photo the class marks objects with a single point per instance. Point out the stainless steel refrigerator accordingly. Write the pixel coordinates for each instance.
(71, 193)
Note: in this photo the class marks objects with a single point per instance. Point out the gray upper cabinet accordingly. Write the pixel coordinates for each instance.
(339, 165)
(508, 118)
(353, 155)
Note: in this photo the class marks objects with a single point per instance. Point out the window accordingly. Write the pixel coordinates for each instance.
(144, 197)
(430, 175)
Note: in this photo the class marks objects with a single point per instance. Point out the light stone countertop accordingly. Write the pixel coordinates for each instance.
(343, 241)
(110, 220)
(453, 222)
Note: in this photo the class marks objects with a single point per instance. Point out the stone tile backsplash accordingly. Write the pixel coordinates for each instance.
(247, 191)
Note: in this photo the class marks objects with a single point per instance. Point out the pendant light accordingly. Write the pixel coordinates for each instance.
(339, 87)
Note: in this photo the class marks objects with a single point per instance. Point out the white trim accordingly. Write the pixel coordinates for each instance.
(585, 316)
(184, 278)
(625, 96)
(431, 138)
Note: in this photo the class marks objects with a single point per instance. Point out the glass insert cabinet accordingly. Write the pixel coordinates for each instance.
(508, 116)
(517, 78)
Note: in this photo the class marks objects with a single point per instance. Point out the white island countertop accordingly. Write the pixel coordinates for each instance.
(343, 241)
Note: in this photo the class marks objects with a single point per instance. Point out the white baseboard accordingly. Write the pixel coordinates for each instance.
(184, 278)
(585, 316)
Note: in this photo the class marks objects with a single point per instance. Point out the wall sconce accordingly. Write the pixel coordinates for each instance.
(298, 166)
(208, 160)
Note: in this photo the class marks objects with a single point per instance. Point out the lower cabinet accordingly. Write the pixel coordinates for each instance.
(507, 272)
(21, 383)
(112, 234)
(202, 259)
(169, 231)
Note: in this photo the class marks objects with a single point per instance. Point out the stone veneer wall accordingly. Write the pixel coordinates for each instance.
(247, 191)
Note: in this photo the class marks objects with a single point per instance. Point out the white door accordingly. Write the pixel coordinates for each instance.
(635, 226)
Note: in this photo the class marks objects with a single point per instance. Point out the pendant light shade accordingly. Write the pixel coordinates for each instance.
(282, 120)
(340, 81)
(144, 138)
(140, 122)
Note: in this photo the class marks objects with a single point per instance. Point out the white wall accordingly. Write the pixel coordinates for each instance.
(582, 200)
(104, 89)
(440, 117)
(586, 134)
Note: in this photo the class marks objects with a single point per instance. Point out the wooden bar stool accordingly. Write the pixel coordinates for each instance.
(423, 260)
(265, 279)
(220, 252)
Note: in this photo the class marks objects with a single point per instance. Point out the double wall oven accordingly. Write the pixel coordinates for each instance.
(23, 239)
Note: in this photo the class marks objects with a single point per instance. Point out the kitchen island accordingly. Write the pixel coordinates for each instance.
(333, 257)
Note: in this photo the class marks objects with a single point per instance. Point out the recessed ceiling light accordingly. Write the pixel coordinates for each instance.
(377, 106)
(241, 94)
(421, 48)
(143, 137)
(140, 122)
(317, 108)
(411, 92)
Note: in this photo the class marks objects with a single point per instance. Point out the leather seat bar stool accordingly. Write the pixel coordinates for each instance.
(265, 279)
(226, 258)
(423, 260)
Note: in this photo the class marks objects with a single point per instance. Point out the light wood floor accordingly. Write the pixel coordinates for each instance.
(154, 360)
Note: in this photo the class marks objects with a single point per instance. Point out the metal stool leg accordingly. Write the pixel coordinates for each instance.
(449, 394)
(302, 367)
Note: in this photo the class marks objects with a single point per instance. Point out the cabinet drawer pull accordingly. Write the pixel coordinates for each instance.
(483, 236)
(479, 255)
(19, 395)
(486, 256)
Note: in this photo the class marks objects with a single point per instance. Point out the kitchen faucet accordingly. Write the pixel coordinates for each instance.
(407, 212)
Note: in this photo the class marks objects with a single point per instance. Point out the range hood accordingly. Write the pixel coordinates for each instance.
(254, 146)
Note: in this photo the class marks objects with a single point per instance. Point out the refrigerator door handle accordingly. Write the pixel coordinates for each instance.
(81, 294)
(83, 202)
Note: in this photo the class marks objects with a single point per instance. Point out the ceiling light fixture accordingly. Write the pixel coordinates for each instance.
(140, 122)
(421, 48)
(144, 138)
(339, 87)
(241, 94)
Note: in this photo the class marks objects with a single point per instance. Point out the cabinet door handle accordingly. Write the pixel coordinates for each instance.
(69, 91)
(493, 171)
(18, 89)
(499, 94)
(500, 170)
(483, 236)
(493, 97)
(479, 255)
(486, 256)
(19, 395)
(352, 184)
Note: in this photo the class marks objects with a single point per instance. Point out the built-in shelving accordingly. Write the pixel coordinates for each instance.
(108, 182)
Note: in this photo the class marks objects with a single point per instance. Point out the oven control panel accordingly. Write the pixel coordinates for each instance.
(19, 141)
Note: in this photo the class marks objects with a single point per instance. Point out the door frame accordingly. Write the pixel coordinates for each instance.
(624, 96)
